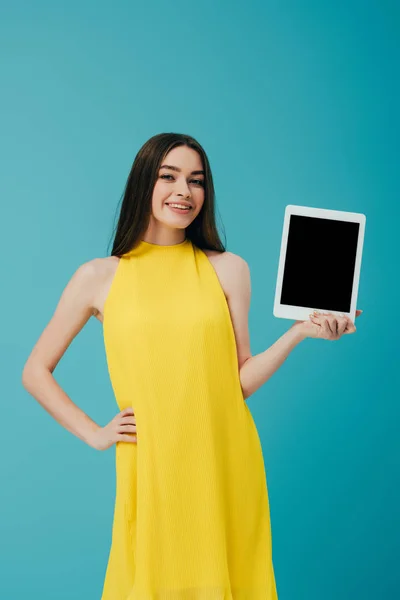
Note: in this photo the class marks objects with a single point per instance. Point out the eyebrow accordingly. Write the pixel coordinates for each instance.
(173, 168)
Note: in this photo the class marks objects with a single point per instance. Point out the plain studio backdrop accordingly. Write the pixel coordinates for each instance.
(294, 102)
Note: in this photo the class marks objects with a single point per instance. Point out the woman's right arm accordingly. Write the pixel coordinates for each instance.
(74, 309)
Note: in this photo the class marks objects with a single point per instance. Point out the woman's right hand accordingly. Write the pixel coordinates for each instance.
(119, 429)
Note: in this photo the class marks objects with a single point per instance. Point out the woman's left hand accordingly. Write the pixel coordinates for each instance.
(326, 326)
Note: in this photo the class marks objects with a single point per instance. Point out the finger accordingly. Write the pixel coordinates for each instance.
(322, 322)
(127, 428)
(125, 437)
(315, 320)
(359, 312)
(351, 328)
(128, 421)
(326, 329)
(342, 324)
(332, 323)
(127, 411)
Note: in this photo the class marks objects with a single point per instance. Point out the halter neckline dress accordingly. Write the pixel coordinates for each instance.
(191, 517)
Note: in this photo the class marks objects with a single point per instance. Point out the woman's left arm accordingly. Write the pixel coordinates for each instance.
(259, 368)
(256, 370)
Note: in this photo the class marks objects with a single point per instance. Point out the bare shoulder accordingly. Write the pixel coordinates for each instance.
(234, 275)
(91, 282)
(228, 267)
(78, 302)
(103, 270)
(230, 260)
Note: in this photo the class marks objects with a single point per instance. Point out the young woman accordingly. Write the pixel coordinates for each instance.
(191, 516)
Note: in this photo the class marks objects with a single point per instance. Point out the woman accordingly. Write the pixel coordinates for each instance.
(191, 516)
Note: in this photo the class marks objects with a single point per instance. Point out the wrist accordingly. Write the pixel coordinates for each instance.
(91, 435)
(299, 331)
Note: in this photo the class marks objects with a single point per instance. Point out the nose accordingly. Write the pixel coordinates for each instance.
(183, 189)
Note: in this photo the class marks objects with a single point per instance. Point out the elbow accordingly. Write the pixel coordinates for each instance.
(30, 373)
(26, 376)
(242, 376)
(245, 392)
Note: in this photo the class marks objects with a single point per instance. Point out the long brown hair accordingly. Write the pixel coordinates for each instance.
(136, 209)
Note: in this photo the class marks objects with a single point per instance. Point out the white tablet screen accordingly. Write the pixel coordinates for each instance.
(319, 265)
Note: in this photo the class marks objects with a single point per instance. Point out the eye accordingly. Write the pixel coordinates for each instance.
(199, 181)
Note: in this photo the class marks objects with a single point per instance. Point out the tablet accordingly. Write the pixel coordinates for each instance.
(319, 262)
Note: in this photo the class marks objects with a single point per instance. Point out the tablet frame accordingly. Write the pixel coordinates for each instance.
(285, 311)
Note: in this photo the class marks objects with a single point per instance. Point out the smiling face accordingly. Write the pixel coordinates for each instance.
(180, 180)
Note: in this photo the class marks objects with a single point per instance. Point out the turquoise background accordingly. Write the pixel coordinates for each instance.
(295, 103)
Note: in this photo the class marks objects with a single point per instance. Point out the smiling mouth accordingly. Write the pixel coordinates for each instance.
(186, 209)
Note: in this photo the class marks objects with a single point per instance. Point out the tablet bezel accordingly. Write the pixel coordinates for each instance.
(285, 311)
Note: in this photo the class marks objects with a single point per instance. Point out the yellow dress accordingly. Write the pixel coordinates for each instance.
(191, 515)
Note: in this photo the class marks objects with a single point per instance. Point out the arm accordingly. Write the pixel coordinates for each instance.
(259, 368)
(73, 311)
(254, 370)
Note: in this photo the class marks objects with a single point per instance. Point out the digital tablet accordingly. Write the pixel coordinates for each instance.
(319, 262)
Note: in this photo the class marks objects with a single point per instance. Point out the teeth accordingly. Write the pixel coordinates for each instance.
(180, 206)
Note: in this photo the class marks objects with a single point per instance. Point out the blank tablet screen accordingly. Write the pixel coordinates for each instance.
(319, 265)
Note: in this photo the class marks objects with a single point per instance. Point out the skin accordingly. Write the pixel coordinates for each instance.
(166, 226)
(327, 326)
(86, 291)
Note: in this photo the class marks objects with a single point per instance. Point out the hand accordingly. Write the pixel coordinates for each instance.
(116, 430)
(327, 326)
